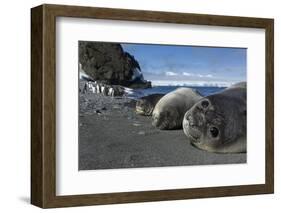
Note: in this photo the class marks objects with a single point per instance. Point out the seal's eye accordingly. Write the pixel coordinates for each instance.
(205, 104)
(214, 132)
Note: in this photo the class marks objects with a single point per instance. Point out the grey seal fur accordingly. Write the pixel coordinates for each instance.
(145, 105)
(170, 109)
(218, 123)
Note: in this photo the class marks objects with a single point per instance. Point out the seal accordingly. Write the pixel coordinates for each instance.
(170, 109)
(218, 123)
(146, 104)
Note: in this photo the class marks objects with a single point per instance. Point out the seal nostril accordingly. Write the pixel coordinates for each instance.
(204, 104)
(190, 121)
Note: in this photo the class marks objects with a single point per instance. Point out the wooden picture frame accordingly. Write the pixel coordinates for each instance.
(43, 105)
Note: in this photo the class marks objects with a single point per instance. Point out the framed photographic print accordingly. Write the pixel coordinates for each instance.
(135, 106)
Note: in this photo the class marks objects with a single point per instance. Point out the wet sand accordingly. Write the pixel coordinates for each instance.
(112, 135)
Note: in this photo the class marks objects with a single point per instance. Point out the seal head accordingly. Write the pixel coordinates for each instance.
(146, 104)
(217, 123)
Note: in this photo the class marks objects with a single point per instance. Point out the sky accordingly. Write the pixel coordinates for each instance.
(191, 65)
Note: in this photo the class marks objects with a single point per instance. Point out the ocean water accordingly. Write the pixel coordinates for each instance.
(205, 91)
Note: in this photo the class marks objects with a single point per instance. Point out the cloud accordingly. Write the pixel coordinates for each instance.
(204, 76)
(171, 73)
(187, 74)
(197, 83)
(197, 75)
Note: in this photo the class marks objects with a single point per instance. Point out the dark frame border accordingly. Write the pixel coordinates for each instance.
(43, 105)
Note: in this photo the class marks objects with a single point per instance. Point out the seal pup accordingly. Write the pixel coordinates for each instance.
(217, 123)
(145, 105)
(170, 109)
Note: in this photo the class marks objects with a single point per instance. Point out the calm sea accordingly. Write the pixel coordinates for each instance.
(138, 93)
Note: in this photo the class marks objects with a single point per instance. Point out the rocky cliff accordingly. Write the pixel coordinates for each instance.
(110, 64)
